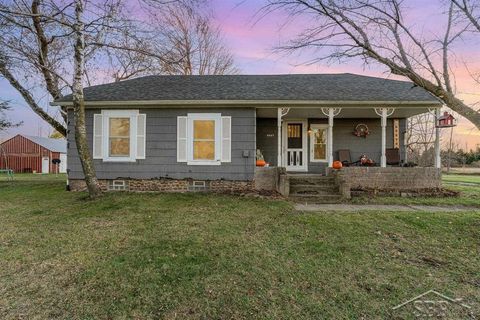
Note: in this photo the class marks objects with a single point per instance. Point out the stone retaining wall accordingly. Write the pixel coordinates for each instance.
(170, 185)
(391, 180)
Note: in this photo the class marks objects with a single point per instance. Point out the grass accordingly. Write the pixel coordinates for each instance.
(467, 185)
(198, 256)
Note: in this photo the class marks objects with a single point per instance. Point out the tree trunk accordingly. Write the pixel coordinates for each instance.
(79, 106)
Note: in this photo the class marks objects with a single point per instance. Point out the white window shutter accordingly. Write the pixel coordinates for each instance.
(141, 134)
(181, 139)
(97, 136)
(226, 139)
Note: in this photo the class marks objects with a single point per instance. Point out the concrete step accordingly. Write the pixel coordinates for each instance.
(316, 199)
(313, 189)
(311, 180)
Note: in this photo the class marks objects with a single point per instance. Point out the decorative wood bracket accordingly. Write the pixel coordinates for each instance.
(284, 111)
(388, 111)
(336, 111)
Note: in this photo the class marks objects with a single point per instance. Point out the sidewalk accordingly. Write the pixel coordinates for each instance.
(374, 207)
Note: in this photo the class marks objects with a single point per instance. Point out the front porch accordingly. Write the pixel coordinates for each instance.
(300, 145)
(310, 139)
(342, 184)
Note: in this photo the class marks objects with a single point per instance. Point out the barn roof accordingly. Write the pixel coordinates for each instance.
(54, 145)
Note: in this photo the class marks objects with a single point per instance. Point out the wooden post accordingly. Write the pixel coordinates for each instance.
(384, 138)
(384, 113)
(279, 137)
(330, 137)
(330, 113)
(438, 159)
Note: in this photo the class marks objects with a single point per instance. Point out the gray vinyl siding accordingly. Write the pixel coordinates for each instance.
(161, 148)
(267, 139)
(343, 138)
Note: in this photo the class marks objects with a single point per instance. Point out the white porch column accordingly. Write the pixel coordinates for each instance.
(279, 137)
(438, 159)
(384, 113)
(331, 113)
(330, 137)
(281, 112)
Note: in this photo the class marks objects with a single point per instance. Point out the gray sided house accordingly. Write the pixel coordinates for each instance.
(179, 133)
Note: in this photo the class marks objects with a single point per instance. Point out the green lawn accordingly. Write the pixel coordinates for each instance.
(197, 256)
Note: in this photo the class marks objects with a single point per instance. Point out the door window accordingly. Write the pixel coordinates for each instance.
(294, 136)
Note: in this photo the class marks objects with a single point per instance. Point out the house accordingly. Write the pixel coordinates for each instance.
(178, 133)
(23, 153)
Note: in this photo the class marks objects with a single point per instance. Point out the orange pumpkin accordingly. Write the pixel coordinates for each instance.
(260, 163)
(337, 165)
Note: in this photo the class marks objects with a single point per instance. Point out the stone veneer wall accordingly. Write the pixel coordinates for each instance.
(170, 185)
(392, 180)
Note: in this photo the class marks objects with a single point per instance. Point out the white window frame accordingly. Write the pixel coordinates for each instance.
(312, 137)
(217, 117)
(106, 115)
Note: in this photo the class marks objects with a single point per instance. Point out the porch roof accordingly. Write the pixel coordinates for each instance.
(355, 112)
(298, 89)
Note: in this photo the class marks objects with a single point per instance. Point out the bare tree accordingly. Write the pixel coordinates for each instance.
(193, 44)
(79, 103)
(470, 8)
(420, 138)
(376, 31)
(4, 122)
(48, 41)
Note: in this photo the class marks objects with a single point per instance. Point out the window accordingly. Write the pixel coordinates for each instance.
(119, 135)
(117, 185)
(318, 143)
(294, 136)
(203, 139)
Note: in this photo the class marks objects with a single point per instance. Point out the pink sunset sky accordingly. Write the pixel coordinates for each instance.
(252, 38)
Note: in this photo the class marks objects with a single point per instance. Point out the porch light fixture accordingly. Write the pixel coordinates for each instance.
(309, 130)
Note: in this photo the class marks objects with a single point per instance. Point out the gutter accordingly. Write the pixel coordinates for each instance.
(256, 103)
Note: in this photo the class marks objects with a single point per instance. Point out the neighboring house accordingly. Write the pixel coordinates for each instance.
(185, 132)
(24, 153)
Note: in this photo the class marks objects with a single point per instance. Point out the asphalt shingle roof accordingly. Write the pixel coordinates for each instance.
(322, 87)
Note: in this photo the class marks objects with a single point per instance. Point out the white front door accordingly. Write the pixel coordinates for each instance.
(295, 145)
(45, 164)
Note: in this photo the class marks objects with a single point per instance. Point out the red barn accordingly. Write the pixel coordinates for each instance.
(33, 154)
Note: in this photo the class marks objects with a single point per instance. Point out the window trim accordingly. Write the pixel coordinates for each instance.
(314, 126)
(217, 117)
(106, 115)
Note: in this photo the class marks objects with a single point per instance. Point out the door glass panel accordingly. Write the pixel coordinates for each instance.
(294, 136)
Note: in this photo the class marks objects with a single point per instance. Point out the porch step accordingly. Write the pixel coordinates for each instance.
(315, 199)
(313, 189)
(310, 180)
